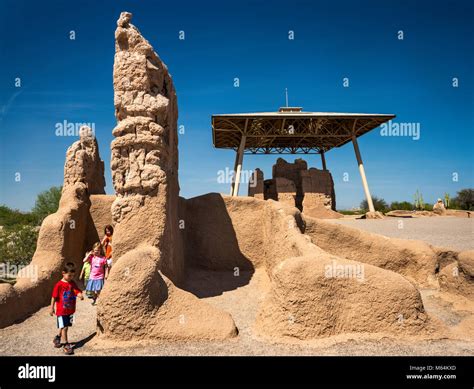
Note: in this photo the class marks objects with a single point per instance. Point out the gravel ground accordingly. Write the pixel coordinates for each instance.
(34, 335)
(451, 232)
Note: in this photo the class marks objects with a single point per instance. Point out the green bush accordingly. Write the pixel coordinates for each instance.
(464, 200)
(379, 204)
(19, 230)
(453, 204)
(18, 244)
(402, 205)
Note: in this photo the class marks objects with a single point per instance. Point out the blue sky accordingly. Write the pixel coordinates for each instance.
(64, 79)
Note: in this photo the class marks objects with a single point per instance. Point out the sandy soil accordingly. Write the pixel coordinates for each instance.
(34, 335)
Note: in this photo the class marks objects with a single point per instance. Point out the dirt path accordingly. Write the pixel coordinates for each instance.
(452, 232)
(34, 335)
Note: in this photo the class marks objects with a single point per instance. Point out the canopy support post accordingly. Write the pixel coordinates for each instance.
(323, 160)
(238, 167)
(362, 174)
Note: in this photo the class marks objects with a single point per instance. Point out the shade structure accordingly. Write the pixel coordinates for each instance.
(291, 130)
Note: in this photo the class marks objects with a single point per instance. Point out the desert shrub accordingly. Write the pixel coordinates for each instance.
(18, 244)
(11, 217)
(379, 204)
(428, 207)
(402, 205)
(19, 230)
(453, 204)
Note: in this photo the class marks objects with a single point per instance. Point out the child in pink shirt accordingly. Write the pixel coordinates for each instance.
(99, 271)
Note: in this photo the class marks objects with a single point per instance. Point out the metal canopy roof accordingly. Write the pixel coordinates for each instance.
(291, 131)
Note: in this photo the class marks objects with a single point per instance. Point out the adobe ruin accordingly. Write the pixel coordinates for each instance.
(145, 297)
(296, 185)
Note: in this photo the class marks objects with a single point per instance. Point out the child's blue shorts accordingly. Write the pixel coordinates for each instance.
(65, 321)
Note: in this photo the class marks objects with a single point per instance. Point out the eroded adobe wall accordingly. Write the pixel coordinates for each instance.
(303, 301)
(457, 276)
(64, 236)
(416, 260)
(224, 232)
(101, 213)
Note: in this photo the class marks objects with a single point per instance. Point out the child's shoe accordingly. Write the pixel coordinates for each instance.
(68, 350)
(57, 341)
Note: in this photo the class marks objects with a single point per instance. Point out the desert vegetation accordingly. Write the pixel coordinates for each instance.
(464, 200)
(19, 230)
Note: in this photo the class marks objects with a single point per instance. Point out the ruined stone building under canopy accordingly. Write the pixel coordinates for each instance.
(293, 131)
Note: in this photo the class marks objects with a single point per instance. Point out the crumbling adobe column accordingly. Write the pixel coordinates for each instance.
(83, 163)
(145, 151)
(140, 299)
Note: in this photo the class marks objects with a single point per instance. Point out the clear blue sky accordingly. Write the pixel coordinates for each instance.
(63, 79)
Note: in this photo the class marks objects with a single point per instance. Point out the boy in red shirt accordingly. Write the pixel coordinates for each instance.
(64, 295)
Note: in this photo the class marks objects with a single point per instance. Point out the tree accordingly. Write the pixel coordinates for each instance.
(465, 199)
(12, 217)
(47, 203)
(379, 204)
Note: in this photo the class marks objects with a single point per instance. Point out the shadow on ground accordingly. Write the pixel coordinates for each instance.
(82, 342)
